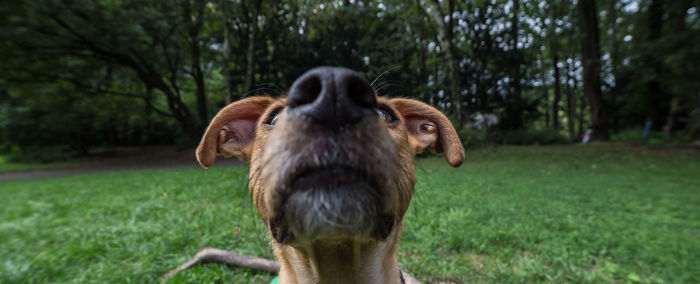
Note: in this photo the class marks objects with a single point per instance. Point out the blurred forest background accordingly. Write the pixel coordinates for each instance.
(78, 75)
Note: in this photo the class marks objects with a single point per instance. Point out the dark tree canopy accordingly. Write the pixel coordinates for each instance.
(80, 74)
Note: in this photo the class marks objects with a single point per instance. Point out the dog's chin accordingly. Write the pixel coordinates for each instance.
(332, 205)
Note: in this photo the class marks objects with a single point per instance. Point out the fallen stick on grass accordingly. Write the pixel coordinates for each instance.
(232, 259)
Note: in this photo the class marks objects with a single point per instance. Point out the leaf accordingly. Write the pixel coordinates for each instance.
(634, 277)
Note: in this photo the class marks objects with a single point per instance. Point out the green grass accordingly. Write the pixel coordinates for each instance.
(600, 213)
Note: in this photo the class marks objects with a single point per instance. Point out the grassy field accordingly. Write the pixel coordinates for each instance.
(601, 213)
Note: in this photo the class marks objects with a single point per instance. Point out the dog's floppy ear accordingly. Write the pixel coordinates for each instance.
(428, 127)
(232, 130)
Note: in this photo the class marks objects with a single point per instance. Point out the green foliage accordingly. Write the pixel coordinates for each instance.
(114, 72)
(52, 126)
(654, 64)
(473, 139)
(654, 138)
(8, 165)
(596, 214)
(531, 136)
(693, 127)
(38, 154)
(634, 135)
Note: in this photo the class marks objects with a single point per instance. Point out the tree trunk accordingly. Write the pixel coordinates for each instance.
(547, 115)
(557, 91)
(424, 73)
(545, 95)
(679, 12)
(177, 107)
(655, 97)
(250, 55)
(515, 76)
(582, 111)
(590, 55)
(148, 101)
(554, 53)
(226, 54)
(613, 38)
(445, 38)
(196, 17)
(570, 102)
(453, 67)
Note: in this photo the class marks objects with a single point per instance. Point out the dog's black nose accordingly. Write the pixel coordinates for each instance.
(332, 96)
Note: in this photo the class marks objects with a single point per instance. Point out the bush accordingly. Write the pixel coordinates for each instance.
(472, 139)
(36, 154)
(654, 138)
(693, 127)
(630, 135)
(529, 136)
(634, 135)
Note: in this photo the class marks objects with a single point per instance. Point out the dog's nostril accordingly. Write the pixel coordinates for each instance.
(332, 97)
(359, 91)
(306, 91)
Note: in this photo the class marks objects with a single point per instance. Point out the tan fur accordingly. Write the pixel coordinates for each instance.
(392, 148)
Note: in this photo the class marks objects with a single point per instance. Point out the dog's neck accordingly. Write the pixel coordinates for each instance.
(344, 262)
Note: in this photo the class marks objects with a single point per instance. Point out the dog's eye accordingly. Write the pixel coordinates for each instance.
(386, 114)
(272, 118)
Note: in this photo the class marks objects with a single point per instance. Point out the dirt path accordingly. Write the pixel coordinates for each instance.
(123, 159)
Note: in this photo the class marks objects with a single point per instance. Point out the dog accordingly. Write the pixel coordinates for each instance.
(331, 171)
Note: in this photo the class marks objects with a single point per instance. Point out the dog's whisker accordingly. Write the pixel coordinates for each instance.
(382, 74)
(273, 88)
(263, 90)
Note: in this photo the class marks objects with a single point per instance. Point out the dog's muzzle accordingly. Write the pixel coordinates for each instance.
(330, 162)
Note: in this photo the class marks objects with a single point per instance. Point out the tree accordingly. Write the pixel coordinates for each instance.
(227, 49)
(590, 56)
(171, 63)
(554, 53)
(150, 44)
(252, 16)
(444, 24)
(654, 97)
(193, 15)
(515, 77)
